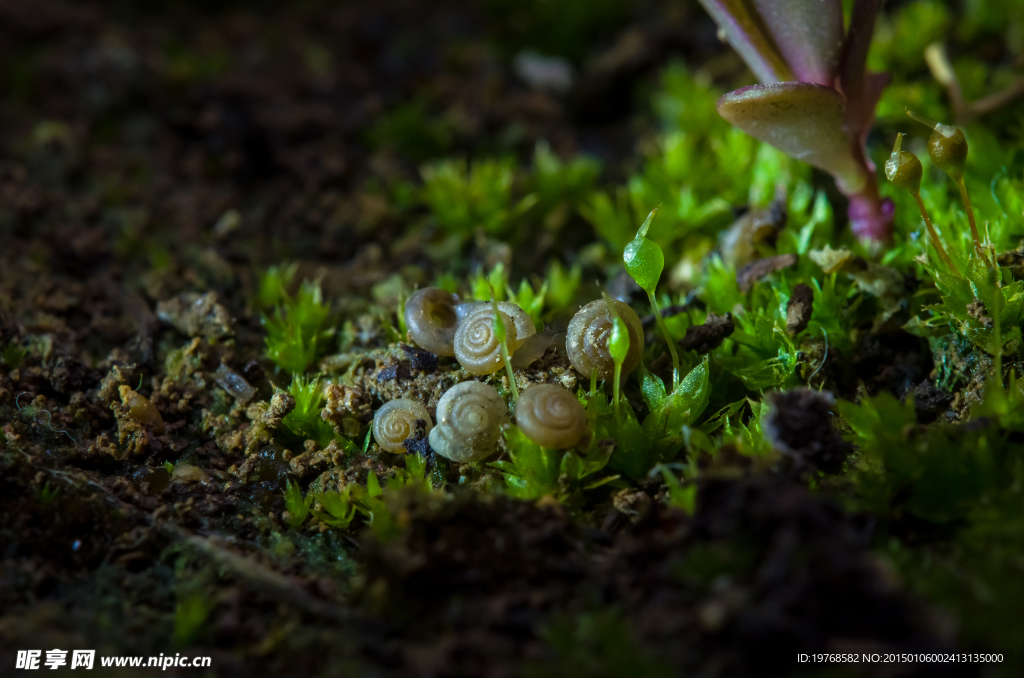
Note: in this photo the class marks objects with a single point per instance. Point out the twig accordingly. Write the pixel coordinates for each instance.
(964, 111)
(261, 578)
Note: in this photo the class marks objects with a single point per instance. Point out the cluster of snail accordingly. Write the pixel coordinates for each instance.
(438, 323)
(471, 414)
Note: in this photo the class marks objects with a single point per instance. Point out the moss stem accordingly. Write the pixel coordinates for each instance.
(668, 339)
(970, 220)
(508, 369)
(935, 237)
(615, 390)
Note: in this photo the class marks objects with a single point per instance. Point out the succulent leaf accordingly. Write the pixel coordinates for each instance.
(801, 119)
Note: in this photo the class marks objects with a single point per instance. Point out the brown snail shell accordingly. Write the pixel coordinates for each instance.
(524, 325)
(469, 420)
(476, 344)
(396, 421)
(551, 416)
(431, 319)
(588, 334)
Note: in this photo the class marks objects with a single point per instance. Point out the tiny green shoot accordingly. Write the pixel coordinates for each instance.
(298, 508)
(645, 262)
(618, 346)
(502, 337)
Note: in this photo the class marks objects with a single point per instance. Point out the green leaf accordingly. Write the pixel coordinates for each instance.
(297, 507)
(690, 399)
(652, 387)
(373, 485)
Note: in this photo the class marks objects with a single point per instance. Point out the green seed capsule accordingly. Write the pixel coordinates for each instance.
(644, 259)
(947, 146)
(618, 341)
(903, 168)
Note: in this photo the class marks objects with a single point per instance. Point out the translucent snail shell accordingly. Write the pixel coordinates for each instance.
(587, 339)
(396, 420)
(431, 318)
(476, 345)
(551, 416)
(469, 420)
(524, 325)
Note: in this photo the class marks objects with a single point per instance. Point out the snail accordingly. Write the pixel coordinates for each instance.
(551, 416)
(524, 325)
(396, 421)
(587, 339)
(469, 420)
(430, 315)
(477, 347)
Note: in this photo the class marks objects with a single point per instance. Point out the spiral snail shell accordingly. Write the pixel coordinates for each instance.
(524, 325)
(396, 421)
(431, 318)
(587, 339)
(551, 416)
(469, 420)
(476, 344)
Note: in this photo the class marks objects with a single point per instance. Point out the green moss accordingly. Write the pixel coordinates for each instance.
(463, 197)
(298, 330)
(295, 504)
(12, 355)
(533, 471)
(304, 421)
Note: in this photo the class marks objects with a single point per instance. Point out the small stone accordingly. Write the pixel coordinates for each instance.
(196, 315)
(280, 405)
(421, 360)
(977, 310)
(186, 473)
(140, 409)
(234, 384)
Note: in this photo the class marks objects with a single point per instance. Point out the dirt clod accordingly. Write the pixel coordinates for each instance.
(709, 336)
(799, 424)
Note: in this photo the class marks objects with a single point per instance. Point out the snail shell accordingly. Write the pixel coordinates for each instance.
(432, 320)
(476, 345)
(396, 422)
(524, 325)
(469, 420)
(551, 416)
(588, 334)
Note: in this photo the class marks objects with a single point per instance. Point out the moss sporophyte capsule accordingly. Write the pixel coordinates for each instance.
(643, 258)
(904, 170)
(645, 262)
(947, 147)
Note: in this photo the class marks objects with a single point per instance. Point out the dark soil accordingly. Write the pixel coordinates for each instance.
(147, 153)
